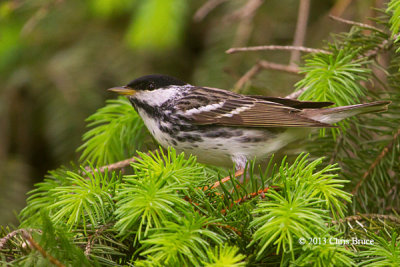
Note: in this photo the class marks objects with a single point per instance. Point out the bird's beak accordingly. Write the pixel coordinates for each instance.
(123, 90)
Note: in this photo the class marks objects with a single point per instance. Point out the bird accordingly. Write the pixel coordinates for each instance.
(223, 128)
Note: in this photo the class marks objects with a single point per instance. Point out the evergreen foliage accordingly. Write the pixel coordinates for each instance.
(117, 132)
(163, 209)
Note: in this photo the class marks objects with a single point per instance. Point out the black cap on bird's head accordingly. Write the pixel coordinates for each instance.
(148, 82)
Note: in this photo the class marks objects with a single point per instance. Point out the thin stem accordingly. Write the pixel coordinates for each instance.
(276, 47)
(205, 9)
(117, 165)
(89, 245)
(362, 25)
(246, 77)
(376, 162)
(297, 93)
(262, 64)
(224, 180)
(260, 192)
(301, 29)
(34, 245)
(5, 239)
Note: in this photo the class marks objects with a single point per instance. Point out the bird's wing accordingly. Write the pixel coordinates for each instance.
(294, 103)
(211, 106)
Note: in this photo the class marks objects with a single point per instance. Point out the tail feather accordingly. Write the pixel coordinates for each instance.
(336, 114)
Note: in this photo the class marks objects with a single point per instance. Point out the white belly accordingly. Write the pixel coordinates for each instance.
(222, 151)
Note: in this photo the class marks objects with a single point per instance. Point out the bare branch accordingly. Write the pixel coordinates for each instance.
(297, 93)
(275, 66)
(205, 9)
(362, 25)
(248, 10)
(276, 47)
(262, 64)
(301, 29)
(246, 77)
(34, 245)
(376, 162)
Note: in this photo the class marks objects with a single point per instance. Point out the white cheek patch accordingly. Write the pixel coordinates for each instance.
(204, 108)
(160, 96)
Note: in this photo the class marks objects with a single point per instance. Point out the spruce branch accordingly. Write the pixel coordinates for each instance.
(376, 162)
(383, 252)
(184, 243)
(116, 132)
(224, 256)
(394, 21)
(276, 47)
(334, 77)
(34, 245)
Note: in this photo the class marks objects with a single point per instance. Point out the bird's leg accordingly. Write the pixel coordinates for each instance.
(240, 164)
(227, 178)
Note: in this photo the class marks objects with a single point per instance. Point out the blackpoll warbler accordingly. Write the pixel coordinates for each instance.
(221, 127)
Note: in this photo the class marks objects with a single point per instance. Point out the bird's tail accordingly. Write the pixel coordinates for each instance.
(332, 115)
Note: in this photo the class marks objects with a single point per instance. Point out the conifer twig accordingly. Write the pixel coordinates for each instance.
(301, 29)
(34, 245)
(355, 23)
(260, 192)
(234, 50)
(5, 239)
(376, 162)
(89, 245)
(116, 165)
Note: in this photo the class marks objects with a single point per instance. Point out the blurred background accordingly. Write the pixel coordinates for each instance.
(58, 57)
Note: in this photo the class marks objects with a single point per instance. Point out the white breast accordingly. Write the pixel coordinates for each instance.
(153, 125)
